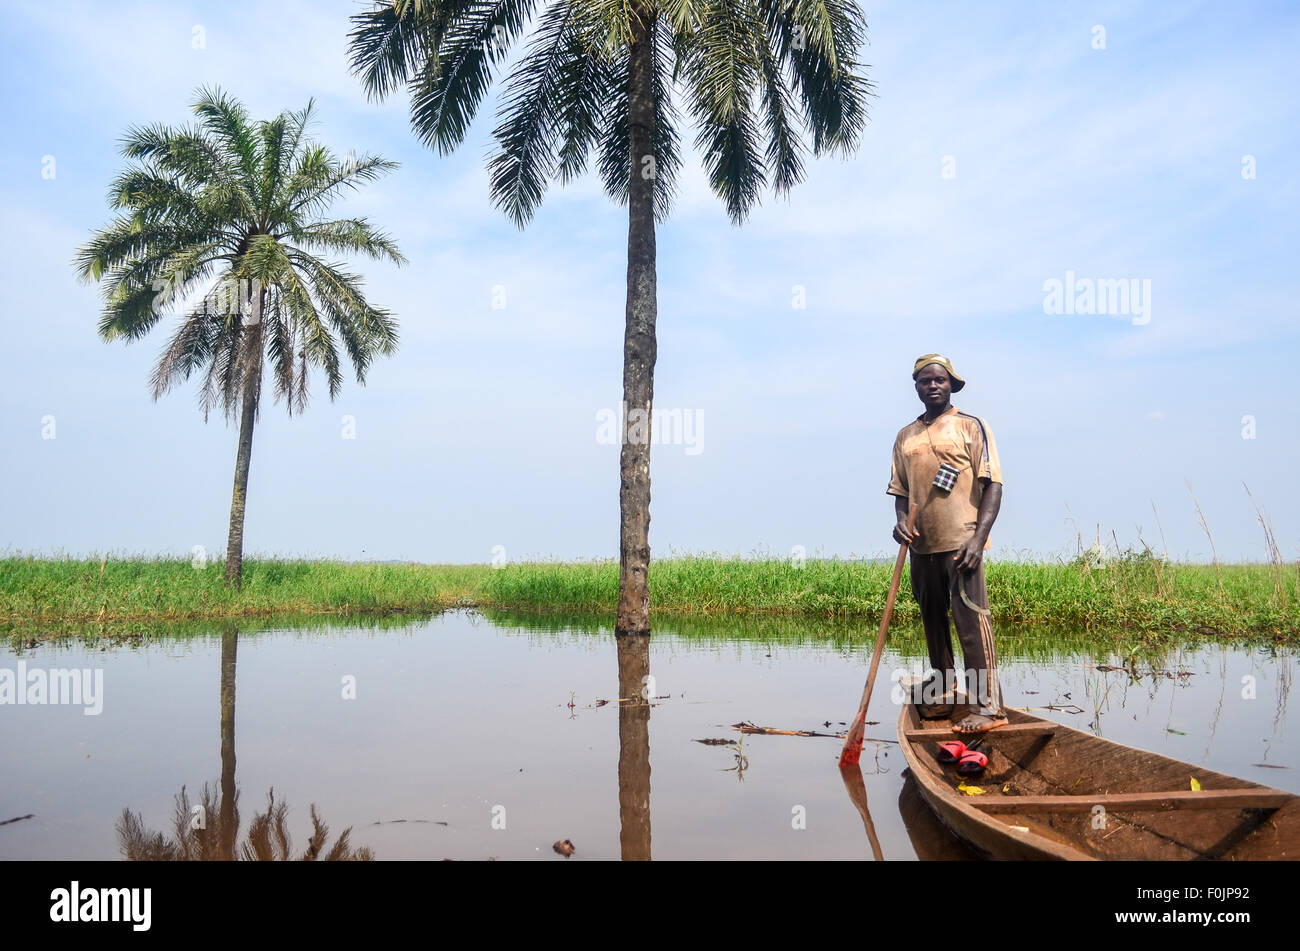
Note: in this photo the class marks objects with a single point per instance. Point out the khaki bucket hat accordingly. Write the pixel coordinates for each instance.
(927, 359)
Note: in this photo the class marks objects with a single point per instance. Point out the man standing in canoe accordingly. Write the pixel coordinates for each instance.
(946, 464)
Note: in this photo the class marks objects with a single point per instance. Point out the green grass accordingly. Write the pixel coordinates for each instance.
(1140, 595)
(40, 591)
(1134, 593)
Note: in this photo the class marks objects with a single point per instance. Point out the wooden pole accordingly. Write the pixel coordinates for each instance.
(852, 750)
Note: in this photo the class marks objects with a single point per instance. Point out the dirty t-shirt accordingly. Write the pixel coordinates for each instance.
(946, 520)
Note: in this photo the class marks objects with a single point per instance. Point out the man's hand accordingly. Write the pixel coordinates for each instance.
(901, 510)
(969, 555)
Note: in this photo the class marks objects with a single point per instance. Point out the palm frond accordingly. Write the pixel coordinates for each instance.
(297, 124)
(819, 40)
(527, 136)
(280, 328)
(355, 235)
(366, 331)
(272, 158)
(318, 179)
(582, 103)
(153, 196)
(185, 152)
(722, 68)
(137, 294)
(784, 158)
(609, 22)
(445, 94)
(388, 44)
(301, 294)
(226, 120)
(221, 383)
(135, 241)
(191, 347)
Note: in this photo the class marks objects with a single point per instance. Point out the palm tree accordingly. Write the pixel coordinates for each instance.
(225, 216)
(599, 76)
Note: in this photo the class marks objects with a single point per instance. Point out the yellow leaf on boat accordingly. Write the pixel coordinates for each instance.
(1196, 784)
(970, 790)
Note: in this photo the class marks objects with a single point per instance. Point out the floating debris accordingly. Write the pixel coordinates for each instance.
(646, 700)
(746, 727)
(1133, 671)
(564, 847)
(387, 822)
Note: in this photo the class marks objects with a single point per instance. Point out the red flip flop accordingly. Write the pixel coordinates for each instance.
(972, 763)
(952, 751)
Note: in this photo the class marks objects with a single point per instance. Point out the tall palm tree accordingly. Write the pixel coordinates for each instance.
(225, 218)
(600, 76)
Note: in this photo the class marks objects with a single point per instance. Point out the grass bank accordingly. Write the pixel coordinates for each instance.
(1141, 594)
(856, 636)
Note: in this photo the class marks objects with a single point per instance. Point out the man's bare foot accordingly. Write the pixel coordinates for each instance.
(980, 723)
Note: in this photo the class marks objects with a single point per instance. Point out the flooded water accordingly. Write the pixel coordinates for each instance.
(470, 737)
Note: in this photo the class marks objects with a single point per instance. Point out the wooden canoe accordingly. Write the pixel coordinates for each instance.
(1044, 782)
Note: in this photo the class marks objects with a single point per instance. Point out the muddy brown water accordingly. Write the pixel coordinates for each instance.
(460, 737)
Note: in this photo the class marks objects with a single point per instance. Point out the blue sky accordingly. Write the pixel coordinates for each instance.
(1117, 163)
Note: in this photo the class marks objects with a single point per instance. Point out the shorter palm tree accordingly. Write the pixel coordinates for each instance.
(224, 220)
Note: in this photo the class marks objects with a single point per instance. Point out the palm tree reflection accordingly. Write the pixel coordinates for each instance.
(229, 811)
(208, 830)
(634, 747)
(201, 834)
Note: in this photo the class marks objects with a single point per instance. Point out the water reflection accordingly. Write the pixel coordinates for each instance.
(229, 812)
(634, 746)
(205, 831)
(1222, 707)
(857, 789)
(930, 838)
(208, 831)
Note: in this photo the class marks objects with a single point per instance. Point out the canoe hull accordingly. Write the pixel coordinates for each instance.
(1051, 792)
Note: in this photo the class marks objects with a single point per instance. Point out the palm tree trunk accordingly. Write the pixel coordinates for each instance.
(639, 345)
(248, 415)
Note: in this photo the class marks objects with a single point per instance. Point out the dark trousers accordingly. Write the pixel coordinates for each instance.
(937, 586)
